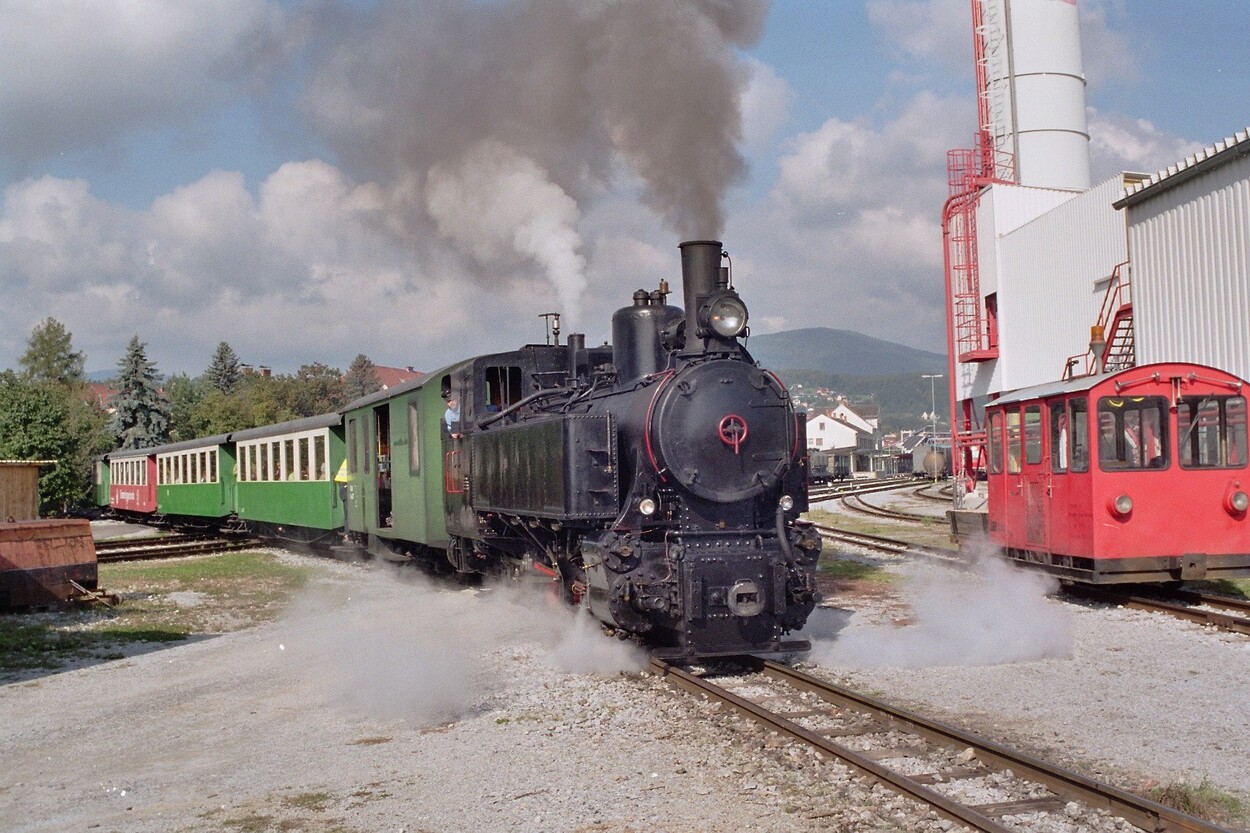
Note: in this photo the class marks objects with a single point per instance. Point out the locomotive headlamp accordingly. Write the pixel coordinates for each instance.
(646, 506)
(1121, 505)
(786, 502)
(727, 316)
(1238, 502)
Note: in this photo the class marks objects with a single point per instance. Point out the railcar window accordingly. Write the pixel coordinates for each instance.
(414, 438)
(1058, 437)
(290, 464)
(1132, 432)
(1013, 442)
(1078, 419)
(1212, 432)
(1033, 434)
(996, 444)
(213, 463)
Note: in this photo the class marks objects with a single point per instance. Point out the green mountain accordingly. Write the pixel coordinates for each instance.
(819, 362)
(841, 352)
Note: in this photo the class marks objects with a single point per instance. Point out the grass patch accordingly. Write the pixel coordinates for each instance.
(233, 591)
(1238, 588)
(847, 570)
(315, 802)
(1204, 800)
(926, 533)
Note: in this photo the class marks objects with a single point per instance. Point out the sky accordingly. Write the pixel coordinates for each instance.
(420, 181)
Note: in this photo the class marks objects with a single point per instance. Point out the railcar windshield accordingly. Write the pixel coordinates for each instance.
(1132, 433)
(1212, 431)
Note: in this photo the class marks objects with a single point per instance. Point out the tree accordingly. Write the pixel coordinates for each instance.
(142, 417)
(362, 378)
(41, 421)
(50, 356)
(317, 389)
(224, 372)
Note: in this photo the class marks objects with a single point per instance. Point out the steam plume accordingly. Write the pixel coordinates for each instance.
(478, 115)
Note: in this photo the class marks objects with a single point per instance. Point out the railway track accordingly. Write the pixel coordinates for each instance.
(891, 546)
(1229, 614)
(962, 777)
(859, 487)
(171, 546)
(1190, 605)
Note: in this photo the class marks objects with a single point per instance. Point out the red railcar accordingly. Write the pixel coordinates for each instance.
(1135, 476)
(132, 481)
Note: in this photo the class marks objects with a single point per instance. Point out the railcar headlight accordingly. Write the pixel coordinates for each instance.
(646, 506)
(1121, 505)
(1238, 502)
(727, 316)
(786, 502)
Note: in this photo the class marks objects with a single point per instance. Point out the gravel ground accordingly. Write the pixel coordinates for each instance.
(379, 705)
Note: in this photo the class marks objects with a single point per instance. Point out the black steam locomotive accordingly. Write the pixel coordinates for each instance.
(658, 481)
(661, 479)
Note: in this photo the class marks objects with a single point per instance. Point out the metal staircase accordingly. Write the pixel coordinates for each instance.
(1112, 345)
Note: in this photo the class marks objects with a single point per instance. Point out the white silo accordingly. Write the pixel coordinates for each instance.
(1035, 84)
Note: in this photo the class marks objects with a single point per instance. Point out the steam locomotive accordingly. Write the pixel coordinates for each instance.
(658, 481)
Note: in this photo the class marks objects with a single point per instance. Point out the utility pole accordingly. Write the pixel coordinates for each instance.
(933, 411)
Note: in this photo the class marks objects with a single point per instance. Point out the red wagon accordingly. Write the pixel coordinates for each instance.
(1134, 476)
(132, 481)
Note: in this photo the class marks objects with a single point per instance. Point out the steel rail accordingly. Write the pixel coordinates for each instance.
(1142, 812)
(891, 545)
(945, 806)
(1137, 601)
(174, 550)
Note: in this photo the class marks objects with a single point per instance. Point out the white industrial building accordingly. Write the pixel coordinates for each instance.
(1039, 265)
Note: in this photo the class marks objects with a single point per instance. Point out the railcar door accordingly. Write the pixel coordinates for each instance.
(1013, 477)
(1059, 448)
(1035, 482)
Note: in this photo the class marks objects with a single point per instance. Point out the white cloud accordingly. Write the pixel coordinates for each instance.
(76, 74)
(1123, 143)
(766, 103)
(938, 31)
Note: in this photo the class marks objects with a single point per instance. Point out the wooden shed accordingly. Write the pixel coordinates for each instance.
(19, 489)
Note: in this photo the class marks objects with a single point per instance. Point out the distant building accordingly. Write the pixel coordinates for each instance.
(394, 376)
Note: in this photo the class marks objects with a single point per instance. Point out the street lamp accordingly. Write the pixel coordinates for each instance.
(933, 412)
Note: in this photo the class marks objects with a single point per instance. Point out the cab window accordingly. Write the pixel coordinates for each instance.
(1013, 442)
(996, 443)
(1132, 433)
(1058, 437)
(1212, 432)
(1033, 434)
(503, 387)
(1078, 436)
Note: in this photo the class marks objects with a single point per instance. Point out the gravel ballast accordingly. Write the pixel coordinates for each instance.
(385, 705)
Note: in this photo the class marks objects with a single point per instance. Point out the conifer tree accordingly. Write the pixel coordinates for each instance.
(142, 417)
(224, 371)
(362, 378)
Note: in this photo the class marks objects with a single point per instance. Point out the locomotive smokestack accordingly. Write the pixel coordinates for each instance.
(700, 271)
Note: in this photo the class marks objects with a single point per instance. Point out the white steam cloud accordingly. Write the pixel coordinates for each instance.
(996, 614)
(493, 202)
(392, 649)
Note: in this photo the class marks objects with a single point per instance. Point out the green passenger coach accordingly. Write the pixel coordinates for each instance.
(395, 468)
(196, 478)
(286, 477)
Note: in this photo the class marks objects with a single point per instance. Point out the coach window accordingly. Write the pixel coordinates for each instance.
(351, 445)
(1212, 432)
(1013, 442)
(320, 464)
(1058, 437)
(290, 465)
(1132, 432)
(1033, 434)
(996, 443)
(414, 438)
(212, 464)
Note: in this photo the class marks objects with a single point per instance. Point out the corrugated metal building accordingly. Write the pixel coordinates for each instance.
(1189, 237)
